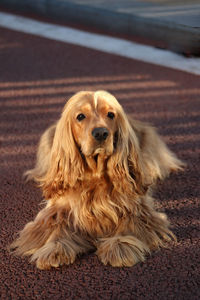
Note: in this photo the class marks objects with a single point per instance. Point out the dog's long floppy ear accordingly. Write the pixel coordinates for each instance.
(157, 160)
(125, 165)
(140, 158)
(66, 165)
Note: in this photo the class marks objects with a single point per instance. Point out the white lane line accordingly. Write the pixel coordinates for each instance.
(101, 42)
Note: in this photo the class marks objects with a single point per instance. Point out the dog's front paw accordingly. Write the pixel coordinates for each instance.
(121, 251)
(53, 254)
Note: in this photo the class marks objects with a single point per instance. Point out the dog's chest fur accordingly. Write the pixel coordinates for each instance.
(94, 207)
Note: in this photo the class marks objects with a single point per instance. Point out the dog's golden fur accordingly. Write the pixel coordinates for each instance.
(98, 192)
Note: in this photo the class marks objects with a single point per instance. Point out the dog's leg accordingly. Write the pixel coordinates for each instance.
(152, 228)
(61, 248)
(147, 230)
(119, 251)
(149, 225)
(49, 240)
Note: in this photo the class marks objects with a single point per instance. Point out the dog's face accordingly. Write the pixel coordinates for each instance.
(93, 128)
(94, 125)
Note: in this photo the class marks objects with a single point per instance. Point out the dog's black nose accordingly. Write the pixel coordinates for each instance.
(100, 133)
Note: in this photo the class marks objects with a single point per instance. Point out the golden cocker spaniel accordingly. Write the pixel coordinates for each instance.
(96, 168)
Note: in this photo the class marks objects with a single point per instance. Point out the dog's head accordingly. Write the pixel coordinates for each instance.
(94, 124)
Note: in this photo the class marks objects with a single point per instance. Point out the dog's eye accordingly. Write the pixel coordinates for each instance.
(111, 115)
(80, 117)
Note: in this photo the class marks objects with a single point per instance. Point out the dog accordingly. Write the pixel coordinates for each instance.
(97, 168)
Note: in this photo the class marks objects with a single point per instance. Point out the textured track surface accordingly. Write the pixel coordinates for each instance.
(36, 78)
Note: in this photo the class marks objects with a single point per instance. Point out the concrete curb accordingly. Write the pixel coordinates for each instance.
(176, 37)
